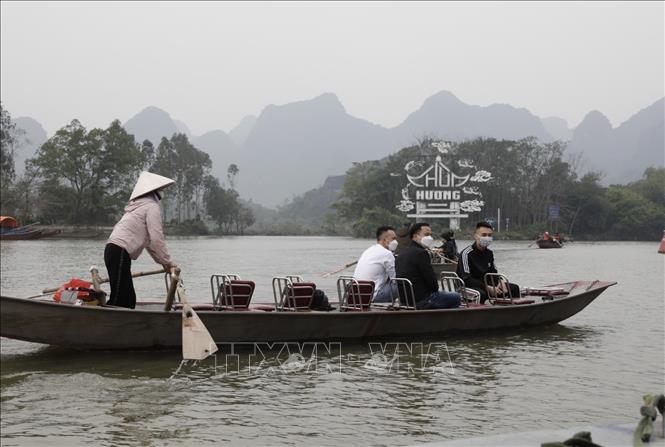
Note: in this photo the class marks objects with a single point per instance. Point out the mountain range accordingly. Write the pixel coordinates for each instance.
(291, 148)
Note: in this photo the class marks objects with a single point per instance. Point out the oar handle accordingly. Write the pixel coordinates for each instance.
(351, 264)
(173, 287)
(104, 280)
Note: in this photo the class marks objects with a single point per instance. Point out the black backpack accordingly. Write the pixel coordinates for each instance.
(320, 301)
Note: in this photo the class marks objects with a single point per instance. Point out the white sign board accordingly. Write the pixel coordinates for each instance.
(440, 191)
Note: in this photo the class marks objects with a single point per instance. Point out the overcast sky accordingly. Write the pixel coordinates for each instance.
(209, 64)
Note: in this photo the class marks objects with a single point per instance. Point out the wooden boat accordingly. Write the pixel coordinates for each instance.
(20, 235)
(150, 327)
(549, 243)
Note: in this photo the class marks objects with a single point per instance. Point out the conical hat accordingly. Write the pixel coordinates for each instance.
(148, 182)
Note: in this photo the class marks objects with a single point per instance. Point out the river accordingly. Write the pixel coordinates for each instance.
(591, 368)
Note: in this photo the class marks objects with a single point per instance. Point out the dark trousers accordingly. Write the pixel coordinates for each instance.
(514, 291)
(119, 265)
(439, 300)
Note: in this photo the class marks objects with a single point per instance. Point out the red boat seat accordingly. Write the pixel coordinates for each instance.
(299, 296)
(358, 296)
(237, 294)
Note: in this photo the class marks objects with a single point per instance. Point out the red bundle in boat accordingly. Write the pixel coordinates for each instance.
(74, 288)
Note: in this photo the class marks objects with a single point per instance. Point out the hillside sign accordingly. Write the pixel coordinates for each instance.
(436, 191)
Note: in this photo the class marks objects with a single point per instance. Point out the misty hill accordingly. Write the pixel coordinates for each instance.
(293, 146)
(305, 214)
(622, 153)
(31, 140)
(240, 133)
(289, 148)
(221, 148)
(444, 116)
(151, 124)
(182, 128)
(557, 127)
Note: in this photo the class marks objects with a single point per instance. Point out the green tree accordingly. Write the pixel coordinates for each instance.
(231, 174)
(87, 175)
(633, 216)
(8, 142)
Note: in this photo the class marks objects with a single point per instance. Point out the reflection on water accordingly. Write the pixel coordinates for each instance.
(591, 368)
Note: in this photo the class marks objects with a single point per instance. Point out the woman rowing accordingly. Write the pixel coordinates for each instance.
(140, 227)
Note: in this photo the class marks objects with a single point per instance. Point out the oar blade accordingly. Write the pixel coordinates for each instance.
(197, 343)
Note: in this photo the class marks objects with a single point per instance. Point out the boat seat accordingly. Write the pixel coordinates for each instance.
(494, 279)
(354, 295)
(230, 292)
(450, 282)
(291, 293)
(405, 298)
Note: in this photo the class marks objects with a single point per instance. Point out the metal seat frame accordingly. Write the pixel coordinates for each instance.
(450, 282)
(283, 293)
(348, 290)
(404, 289)
(493, 279)
(221, 294)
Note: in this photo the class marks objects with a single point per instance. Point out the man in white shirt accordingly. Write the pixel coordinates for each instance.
(377, 264)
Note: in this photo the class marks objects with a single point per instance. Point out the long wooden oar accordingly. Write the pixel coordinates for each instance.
(104, 280)
(351, 264)
(197, 343)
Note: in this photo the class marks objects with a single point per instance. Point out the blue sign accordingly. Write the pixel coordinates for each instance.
(490, 220)
(554, 212)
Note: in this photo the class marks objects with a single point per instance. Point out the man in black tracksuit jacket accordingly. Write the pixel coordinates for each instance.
(476, 260)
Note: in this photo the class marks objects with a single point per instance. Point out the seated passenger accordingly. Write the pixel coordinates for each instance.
(377, 264)
(449, 247)
(414, 264)
(476, 260)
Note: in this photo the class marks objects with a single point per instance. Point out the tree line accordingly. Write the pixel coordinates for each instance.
(527, 177)
(84, 176)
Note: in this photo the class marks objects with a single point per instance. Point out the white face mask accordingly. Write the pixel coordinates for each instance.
(485, 241)
(427, 241)
(392, 245)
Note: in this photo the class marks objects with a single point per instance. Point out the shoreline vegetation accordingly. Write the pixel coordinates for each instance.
(81, 178)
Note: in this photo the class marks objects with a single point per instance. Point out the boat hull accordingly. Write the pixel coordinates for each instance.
(92, 327)
(21, 235)
(548, 244)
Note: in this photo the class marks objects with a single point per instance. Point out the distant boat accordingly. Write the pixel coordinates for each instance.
(20, 235)
(661, 249)
(549, 243)
(10, 231)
